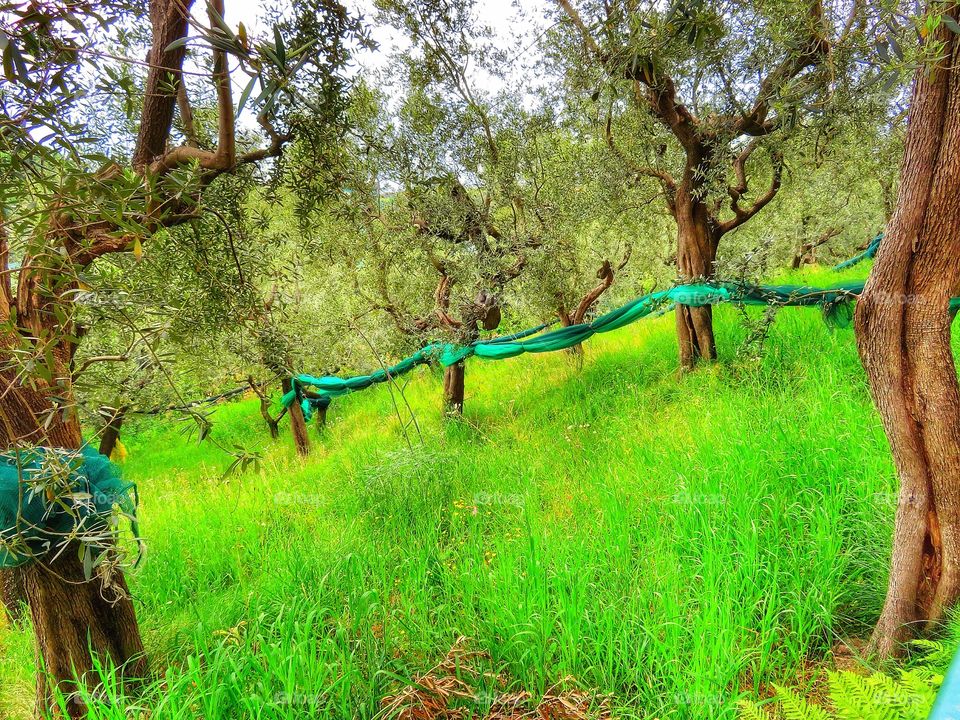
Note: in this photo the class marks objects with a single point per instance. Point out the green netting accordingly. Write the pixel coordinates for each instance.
(870, 252)
(331, 386)
(48, 494)
(835, 301)
(831, 299)
(309, 405)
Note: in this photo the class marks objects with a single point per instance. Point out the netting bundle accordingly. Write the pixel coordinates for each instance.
(51, 495)
(325, 388)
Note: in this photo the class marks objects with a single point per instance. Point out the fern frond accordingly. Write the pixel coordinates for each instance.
(795, 707)
(751, 711)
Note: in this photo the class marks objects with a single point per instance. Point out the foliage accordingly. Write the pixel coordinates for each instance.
(906, 694)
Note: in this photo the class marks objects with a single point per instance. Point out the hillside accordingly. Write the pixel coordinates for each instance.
(674, 542)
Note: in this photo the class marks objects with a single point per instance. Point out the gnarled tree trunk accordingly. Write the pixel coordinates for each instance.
(903, 335)
(606, 276)
(566, 320)
(453, 388)
(297, 422)
(697, 242)
(71, 616)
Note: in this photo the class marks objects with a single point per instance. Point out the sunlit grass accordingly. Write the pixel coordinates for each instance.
(674, 541)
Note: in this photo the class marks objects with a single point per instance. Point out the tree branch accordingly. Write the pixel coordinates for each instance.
(582, 28)
(6, 287)
(666, 180)
(661, 92)
(271, 421)
(98, 359)
(186, 115)
(807, 248)
(756, 121)
(441, 295)
(737, 191)
(169, 22)
(606, 274)
(505, 275)
(225, 156)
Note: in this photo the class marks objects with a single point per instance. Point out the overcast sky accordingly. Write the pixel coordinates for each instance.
(515, 22)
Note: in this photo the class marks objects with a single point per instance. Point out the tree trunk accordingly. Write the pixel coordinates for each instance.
(453, 388)
(321, 414)
(272, 423)
(273, 426)
(111, 430)
(14, 594)
(576, 351)
(903, 335)
(70, 615)
(297, 422)
(696, 253)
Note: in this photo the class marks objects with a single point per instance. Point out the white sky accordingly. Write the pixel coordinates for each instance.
(515, 23)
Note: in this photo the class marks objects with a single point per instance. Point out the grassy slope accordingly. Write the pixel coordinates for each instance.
(677, 542)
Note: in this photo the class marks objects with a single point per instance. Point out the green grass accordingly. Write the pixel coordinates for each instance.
(677, 542)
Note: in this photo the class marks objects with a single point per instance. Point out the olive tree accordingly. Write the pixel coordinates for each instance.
(710, 91)
(71, 202)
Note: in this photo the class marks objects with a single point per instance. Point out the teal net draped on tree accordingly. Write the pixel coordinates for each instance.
(49, 495)
(834, 300)
(867, 254)
(330, 386)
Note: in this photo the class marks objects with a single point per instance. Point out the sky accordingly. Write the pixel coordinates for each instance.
(513, 21)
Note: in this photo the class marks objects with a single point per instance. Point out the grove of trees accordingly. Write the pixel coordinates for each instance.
(189, 206)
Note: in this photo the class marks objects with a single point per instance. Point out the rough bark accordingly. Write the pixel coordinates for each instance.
(169, 23)
(14, 595)
(903, 335)
(111, 430)
(453, 388)
(70, 615)
(298, 424)
(697, 242)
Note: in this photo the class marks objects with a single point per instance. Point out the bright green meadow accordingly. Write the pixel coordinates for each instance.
(674, 542)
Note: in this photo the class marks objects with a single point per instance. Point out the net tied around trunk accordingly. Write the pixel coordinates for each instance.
(51, 496)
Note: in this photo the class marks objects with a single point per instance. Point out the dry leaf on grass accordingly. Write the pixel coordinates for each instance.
(453, 690)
